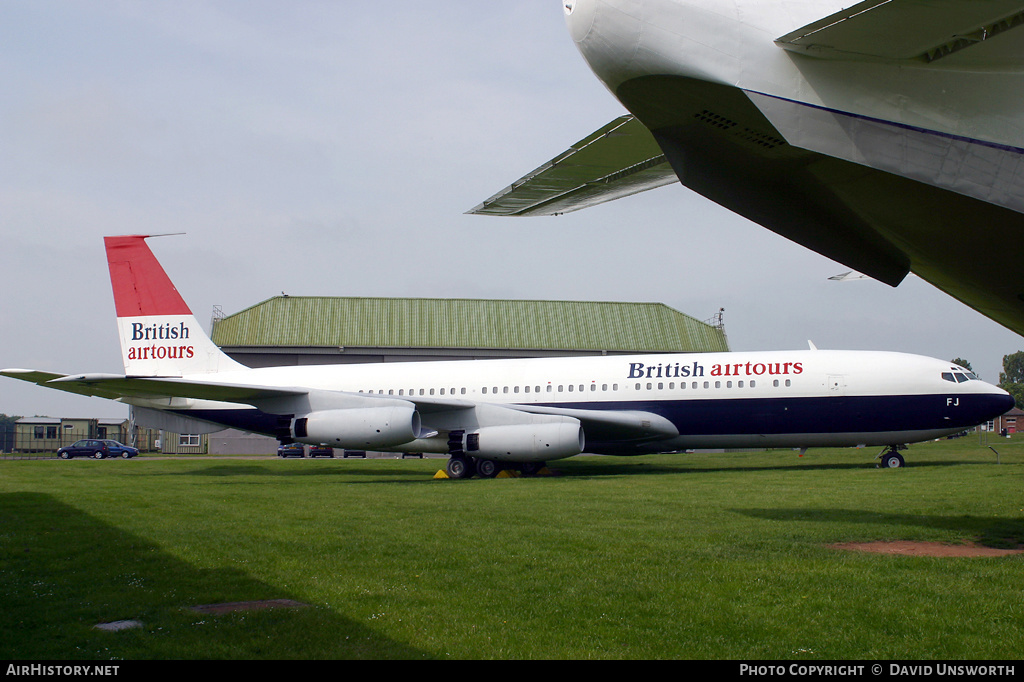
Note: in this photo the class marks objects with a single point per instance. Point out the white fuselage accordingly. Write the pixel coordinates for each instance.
(757, 399)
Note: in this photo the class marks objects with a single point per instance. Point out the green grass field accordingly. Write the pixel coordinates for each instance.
(706, 556)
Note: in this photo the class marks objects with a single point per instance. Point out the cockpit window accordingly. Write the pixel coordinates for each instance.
(959, 377)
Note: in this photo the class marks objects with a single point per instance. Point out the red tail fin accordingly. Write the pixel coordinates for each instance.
(159, 334)
(141, 287)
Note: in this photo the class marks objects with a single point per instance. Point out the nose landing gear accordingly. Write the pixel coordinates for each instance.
(891, 457)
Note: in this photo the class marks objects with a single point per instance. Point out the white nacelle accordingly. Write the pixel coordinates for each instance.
(359, 428)
(527, 442)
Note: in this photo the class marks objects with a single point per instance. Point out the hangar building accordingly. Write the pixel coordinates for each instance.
(306, 330)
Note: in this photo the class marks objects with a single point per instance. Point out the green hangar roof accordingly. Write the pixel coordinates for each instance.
(339, 322)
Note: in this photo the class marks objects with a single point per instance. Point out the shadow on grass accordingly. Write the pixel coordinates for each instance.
(305, 471)
(62, 572)
(999, 533)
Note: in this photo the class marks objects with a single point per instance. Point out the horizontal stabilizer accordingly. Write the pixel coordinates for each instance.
(144, 387)
(618, 160)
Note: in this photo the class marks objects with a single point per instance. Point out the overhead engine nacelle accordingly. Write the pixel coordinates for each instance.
(359, 428)
(527, 442)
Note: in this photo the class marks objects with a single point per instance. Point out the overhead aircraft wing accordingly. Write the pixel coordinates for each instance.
(912, 30)
(620, 159)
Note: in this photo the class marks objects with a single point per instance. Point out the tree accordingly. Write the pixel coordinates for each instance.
(1011, 379)
(7, 432)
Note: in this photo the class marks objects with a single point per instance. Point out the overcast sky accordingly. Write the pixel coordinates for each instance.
(331, 148)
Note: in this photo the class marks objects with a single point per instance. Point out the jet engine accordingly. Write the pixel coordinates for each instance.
(527, 442)
(359, 428)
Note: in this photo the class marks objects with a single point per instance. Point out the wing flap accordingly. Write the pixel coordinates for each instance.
(620, 159)
(911, 30)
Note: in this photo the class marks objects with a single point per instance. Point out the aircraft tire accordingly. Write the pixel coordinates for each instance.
(892, 460)
(530, 468)
(458, 468)
(486, 468)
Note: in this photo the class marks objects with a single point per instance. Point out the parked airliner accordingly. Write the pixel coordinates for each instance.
(490, 414)
(877, 133)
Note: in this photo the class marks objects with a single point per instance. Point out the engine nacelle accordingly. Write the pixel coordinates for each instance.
(527, 442)
(359, 428)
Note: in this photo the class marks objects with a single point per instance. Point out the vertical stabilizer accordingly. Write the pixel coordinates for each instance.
(159, 334)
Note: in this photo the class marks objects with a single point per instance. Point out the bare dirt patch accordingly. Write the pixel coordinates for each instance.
(936, 549)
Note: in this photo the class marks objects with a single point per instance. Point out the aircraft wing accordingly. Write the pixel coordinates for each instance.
(620, 159)
(612, 425)
(911, 30)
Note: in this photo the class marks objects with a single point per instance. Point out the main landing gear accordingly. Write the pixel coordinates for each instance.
(891, 457)
(466, 467)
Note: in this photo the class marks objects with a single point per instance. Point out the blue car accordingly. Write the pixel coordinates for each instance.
(97, 449)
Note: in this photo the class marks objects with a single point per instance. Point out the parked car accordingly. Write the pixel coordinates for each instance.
(119, 449)
(321, 451)
(291, 450)
(97, 449)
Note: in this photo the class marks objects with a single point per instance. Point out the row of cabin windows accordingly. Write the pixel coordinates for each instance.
(573, 388)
